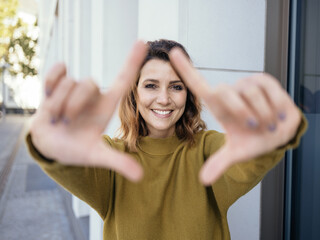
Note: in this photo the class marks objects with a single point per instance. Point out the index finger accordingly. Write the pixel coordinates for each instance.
(55, 74)
(126, 78)
(195, 82)
(131, 69)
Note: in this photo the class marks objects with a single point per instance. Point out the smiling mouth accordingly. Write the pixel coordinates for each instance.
(163, 113)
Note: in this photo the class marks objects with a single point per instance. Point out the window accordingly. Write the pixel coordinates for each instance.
(302, 219)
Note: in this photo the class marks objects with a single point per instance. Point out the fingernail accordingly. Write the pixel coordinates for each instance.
(282, 116)
(53, 120)
(252, 123)
(48, 92)
(65, 120)
(272, 127)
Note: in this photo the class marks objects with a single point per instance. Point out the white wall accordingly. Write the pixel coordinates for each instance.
(224, 38)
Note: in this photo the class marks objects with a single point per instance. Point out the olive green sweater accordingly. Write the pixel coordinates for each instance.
(169, 203)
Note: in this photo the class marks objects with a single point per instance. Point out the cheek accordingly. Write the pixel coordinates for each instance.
(181, 100)
(144, 100)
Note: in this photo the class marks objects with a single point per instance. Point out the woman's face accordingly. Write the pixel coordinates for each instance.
(161, 97)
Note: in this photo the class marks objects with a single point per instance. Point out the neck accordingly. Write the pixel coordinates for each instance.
(161, 134)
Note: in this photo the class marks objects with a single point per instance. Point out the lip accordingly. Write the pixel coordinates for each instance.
(157, 113)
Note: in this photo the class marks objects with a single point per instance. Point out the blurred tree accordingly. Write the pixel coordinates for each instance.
(18, 41)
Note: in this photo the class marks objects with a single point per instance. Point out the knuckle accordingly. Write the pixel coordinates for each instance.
(91, 85)
(66, 84)
(253, 93)
(241, 111)
(55, 71)
(268, 116)
(268, 79)
(71, 109)
(52, 106)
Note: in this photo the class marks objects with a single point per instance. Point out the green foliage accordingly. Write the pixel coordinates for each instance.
(8, 9)
(18, 41)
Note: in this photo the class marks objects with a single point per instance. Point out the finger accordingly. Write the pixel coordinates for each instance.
(276, 95)
(215, 166)
(82, 95)
(126, 78)
(55, 103)
(131, 69)
(286, 111)
(195, 82)
(105, 156)
(232, 108)
(55, 74)
(257, 100)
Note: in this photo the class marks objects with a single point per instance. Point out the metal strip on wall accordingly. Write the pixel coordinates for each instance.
(276, 62)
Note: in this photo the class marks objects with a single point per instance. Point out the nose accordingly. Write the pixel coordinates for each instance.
(163, 97)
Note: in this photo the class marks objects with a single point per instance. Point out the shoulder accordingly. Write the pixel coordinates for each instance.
(210, 141)
(115, 143)
(210, 136)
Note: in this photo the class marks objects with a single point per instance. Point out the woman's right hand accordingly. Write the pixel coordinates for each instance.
(71, 119)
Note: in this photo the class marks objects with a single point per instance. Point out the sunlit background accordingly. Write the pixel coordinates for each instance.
(20, 86)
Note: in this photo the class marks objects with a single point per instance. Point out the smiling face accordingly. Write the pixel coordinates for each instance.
(161, 97)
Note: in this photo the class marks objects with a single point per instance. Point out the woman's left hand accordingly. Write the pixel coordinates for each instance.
(256, 113)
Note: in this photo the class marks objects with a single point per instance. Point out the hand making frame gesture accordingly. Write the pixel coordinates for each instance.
(256, 113)
(68, 125)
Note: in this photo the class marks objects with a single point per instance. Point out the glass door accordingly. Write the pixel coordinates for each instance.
(302, 210)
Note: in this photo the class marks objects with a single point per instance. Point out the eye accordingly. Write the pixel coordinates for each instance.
(177, 87)
(150, 85)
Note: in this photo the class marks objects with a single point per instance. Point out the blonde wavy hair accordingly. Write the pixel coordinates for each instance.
(133, 125)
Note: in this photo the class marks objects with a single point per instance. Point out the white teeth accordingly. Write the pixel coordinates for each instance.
(161, 112)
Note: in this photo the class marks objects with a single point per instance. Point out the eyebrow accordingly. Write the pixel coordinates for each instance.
(156, 81)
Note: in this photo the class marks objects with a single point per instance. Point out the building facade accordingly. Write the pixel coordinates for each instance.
(226, 40)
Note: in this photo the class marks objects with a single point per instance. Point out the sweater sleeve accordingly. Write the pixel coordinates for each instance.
(242, 177)
(92, 185)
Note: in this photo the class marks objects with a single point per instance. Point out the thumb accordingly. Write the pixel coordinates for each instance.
(215, 166)
(105, 156)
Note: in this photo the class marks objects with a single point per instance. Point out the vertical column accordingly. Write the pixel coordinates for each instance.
(97, 43)
(97, 46)
(46, 23)
(69, 36)
(74, 55)
(85, 25)
(76, 38)
(61, 24)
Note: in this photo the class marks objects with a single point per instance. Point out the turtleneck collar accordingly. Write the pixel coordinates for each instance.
(159, 146)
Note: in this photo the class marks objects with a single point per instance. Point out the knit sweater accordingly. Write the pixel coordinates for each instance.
(169, 202)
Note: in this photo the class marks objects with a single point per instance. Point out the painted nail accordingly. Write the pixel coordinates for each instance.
(252, 123)
(282, 116)
(53, 120)
(65, 120)
(272, 127)
(48, 92)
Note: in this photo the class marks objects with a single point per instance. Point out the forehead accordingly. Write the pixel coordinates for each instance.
(158, 70)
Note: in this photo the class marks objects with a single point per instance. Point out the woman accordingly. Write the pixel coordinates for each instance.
(145, 184)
